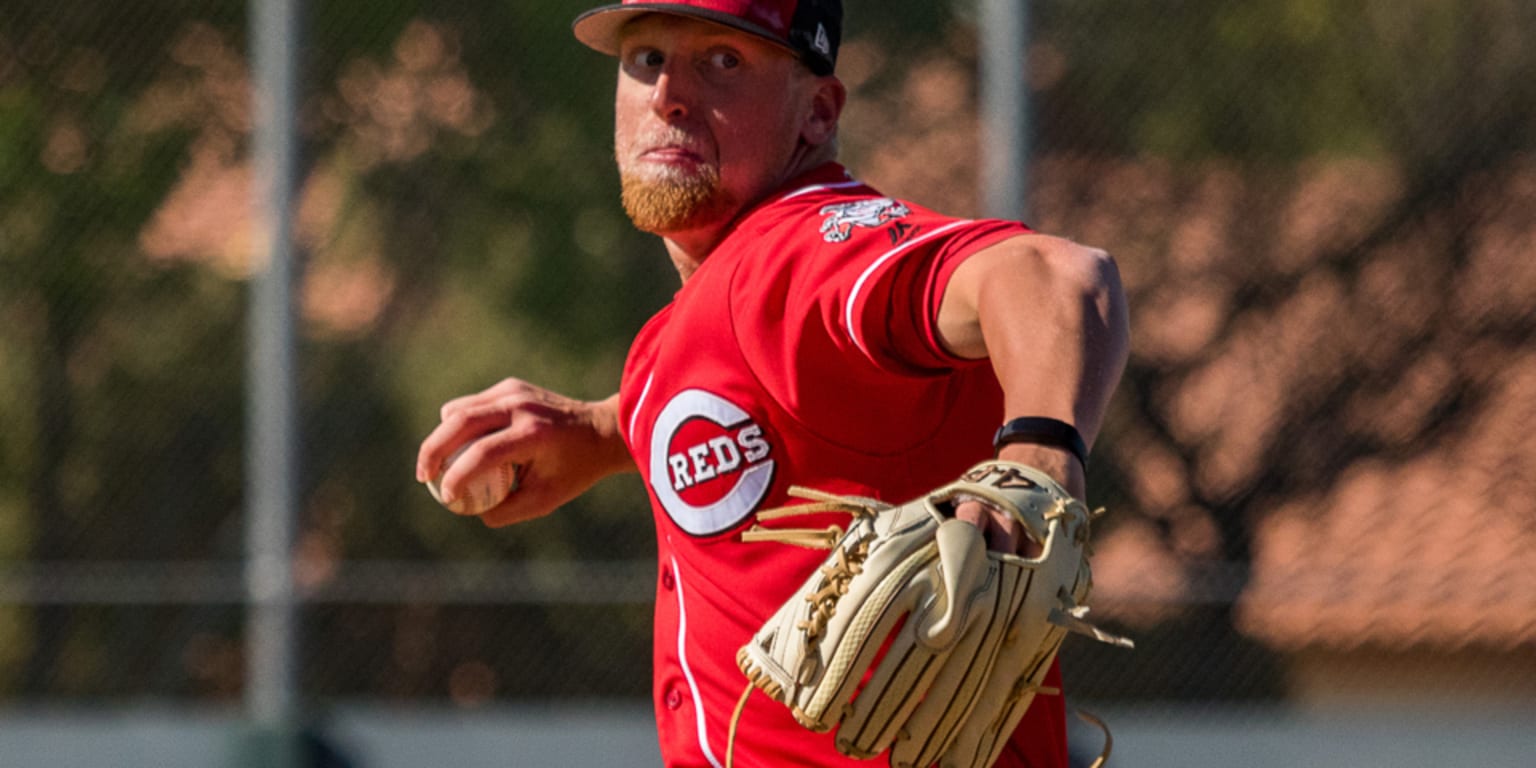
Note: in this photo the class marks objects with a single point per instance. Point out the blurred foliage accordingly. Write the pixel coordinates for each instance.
(460, 224)
(1274, 81)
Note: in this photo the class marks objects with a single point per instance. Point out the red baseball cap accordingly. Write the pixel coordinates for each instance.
(810, 28)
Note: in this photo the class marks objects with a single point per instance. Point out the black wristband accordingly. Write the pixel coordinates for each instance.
(1044, 431)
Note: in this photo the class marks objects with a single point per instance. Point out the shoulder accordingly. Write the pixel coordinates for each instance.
(853, 222)
(1056, 260)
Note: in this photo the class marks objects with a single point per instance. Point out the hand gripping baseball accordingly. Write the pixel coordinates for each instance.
(560, 446)
(956, 639)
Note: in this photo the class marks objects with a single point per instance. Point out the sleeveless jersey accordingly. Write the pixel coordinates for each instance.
(803, 351)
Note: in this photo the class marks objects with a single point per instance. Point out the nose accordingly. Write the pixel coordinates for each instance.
(671, 94)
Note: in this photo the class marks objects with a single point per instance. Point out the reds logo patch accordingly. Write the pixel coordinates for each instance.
(840, 219)
(710, 463)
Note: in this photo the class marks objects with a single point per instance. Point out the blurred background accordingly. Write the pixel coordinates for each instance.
(1321, 465)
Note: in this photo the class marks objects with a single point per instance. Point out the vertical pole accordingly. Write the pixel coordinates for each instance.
(271, 696)
(1004, 36)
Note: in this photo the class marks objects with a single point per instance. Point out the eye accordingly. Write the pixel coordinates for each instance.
(724, 60)
(646, 58)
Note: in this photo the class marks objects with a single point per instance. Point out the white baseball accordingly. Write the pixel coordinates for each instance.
(483, 491)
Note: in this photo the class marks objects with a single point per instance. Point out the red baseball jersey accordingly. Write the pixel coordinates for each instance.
(803, 351)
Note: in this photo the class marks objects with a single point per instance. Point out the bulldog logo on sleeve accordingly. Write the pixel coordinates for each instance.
(841, 219)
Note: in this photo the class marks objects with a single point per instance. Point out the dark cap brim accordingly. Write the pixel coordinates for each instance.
(599, 28)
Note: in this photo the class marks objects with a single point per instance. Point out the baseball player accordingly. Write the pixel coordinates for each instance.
(824, 335)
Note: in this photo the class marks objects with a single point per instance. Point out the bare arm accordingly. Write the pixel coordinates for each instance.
(564, 446)
(1052, 317)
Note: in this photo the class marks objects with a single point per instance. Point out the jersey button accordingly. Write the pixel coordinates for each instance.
(674, 698)
(668, 580)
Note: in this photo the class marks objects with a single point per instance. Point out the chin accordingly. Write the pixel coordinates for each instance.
(670, 199)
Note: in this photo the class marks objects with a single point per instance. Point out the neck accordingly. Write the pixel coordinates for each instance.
(689, 248)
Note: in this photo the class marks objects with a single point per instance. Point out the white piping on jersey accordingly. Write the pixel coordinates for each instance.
(818, 187)
(645, 390)
(858, 285)
(682, 659)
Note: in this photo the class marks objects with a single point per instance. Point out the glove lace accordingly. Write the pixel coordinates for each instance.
(848, 561)
(824, 601)
(1073, 617)
(811, 538)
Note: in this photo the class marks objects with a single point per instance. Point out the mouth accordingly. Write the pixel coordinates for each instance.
(672, 154)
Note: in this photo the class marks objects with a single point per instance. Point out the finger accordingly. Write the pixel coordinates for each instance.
(1002, 531)
(482, 454)
(484, 397)
(436, 448)
(523, 504)
(972, 512)
(459, 428)
(989, 521)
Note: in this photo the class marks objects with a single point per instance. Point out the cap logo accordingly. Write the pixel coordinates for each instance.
(822, 44)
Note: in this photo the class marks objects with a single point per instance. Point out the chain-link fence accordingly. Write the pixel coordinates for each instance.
(1319, 464)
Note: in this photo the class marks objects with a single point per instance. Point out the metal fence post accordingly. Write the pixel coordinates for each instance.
(1004, 177)
(271, 686)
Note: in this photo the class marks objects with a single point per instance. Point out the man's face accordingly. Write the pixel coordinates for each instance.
(707, 121)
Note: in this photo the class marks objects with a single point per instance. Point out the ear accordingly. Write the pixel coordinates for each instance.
(827, 99)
